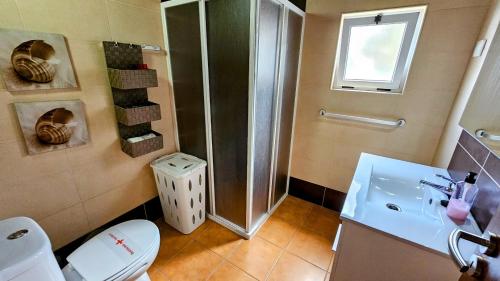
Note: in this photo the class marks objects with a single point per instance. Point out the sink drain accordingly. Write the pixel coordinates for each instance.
(393, 207)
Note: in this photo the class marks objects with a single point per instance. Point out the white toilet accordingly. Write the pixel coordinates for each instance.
(122, 252)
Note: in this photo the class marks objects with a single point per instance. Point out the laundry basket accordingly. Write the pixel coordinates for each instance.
(180, 179)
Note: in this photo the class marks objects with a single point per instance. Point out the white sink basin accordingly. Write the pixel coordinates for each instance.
(415, 216)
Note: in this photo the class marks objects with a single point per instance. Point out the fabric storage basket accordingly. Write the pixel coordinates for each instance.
(137, 114)
(132, 79)
(180, 179)
(143, 147)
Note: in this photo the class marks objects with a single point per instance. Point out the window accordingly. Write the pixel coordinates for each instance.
(375, 49)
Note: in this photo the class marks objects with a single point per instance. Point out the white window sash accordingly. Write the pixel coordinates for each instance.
(413, 21)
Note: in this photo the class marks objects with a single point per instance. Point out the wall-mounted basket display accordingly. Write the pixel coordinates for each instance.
(134, 111)
(137, 113)
(132, 79)
(142, 147)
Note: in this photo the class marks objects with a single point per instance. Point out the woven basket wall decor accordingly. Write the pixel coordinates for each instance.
(132, 79)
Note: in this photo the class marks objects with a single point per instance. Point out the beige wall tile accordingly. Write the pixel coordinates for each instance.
(441, 27)
(9, 126)
(111, 204)
(437, 70)
(448, 4)
(88, 58)
(18, 165)
(149, 4)
(9, 15)
(327, 7)
(81, 20)
(130, 24)
(38, 197)
(55, 225)
(103, 175)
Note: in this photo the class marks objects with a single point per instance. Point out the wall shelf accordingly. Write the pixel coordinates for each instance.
(134, 112)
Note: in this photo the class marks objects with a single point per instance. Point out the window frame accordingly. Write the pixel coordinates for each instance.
(412, 16)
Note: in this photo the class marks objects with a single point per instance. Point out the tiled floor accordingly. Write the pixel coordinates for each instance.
(294, 244)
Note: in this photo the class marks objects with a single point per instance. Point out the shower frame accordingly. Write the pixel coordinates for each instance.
(250, 226)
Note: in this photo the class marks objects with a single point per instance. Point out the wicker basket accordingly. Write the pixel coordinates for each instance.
(143, 147)
(132, 79)
(138, 114)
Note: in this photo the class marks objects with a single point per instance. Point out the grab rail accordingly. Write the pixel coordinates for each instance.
(389, 123)
(484, 134)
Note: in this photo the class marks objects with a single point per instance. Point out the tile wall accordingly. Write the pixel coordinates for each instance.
(73, 191)
(471, 155)
(325, 152)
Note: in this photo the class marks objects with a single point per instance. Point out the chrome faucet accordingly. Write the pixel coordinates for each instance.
(444, 189)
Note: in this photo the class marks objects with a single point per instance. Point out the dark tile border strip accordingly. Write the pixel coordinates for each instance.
(317, 194)
(150, 210)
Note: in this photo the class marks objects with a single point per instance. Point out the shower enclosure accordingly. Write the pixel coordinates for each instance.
(234, 71)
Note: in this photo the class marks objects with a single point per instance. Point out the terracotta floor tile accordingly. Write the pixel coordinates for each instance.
(294, 210)
(194, 262)
(202, 228)
(323, 221)
(157, 275)
(229, 272)
(331, 262)
(256, 257)
(277, 231)
(219, 239)
(171, 242)
(293, 268)
(304, 229)
(313, 247)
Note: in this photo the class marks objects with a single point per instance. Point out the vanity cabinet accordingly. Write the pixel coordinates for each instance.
(370, 255)
(482, 114)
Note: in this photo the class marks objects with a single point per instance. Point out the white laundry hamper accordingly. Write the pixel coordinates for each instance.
(180, 179)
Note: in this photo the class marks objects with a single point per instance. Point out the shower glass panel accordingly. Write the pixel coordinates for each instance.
(183, 27)
(228, 34)
(185, 60)
(290, 71)
(269, 31)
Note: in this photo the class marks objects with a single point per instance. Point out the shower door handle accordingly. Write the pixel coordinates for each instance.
(476, 264)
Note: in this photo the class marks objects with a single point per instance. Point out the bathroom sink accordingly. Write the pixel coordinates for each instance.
(386, 195)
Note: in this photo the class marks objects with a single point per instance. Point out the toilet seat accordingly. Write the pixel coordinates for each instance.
(117, 253)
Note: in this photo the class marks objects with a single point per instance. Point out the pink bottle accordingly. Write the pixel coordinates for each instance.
(463, 198)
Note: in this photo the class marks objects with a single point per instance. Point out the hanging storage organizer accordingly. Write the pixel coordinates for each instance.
(134, 112)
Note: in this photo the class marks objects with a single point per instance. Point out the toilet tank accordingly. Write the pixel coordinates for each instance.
(25, 252)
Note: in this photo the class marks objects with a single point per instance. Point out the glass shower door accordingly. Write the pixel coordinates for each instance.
(289, 72)
(266, 89)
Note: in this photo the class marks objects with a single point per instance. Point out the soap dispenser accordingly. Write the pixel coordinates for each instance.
(462, 198)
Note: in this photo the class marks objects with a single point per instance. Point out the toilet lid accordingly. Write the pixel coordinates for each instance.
(114, 249)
